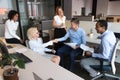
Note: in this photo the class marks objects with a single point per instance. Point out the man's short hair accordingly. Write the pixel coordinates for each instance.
(103, 23)
(75, 20)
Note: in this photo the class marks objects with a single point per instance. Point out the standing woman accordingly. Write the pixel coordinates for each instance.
(11, 26)
(59, 25)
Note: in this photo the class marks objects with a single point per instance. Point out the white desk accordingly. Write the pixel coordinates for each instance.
(94, 40)
(43, 67)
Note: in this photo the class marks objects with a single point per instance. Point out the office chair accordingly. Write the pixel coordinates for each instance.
(27, 43)
(111, 66)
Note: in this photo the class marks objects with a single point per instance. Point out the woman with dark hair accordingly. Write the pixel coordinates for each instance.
(11, 26)
(59, 25)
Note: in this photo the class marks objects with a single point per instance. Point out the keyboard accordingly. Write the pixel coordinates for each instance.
(9, 46)
(23, 57)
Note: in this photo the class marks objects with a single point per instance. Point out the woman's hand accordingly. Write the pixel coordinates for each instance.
(53, 51)
(21, 41)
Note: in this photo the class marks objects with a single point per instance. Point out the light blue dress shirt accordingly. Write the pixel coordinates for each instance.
(76, 36)
(108, 41)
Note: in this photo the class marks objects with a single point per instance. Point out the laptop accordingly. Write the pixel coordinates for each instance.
(36, 77)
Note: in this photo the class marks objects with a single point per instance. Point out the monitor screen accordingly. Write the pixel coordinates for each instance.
(117, 35)
(3, 48)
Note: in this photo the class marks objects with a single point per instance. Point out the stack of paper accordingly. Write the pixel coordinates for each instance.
(86, 48)
(72, 45)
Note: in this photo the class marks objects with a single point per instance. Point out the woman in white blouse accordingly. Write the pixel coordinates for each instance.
(11, 26)
(37, 45)
(59, 25)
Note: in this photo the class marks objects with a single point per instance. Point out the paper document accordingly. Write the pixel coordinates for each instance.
(86, 48)
(72, 45)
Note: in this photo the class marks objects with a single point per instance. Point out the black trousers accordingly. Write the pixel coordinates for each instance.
(58, 33)
(13, 40)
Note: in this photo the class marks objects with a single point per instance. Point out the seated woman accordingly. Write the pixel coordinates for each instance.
(37, 45)
(11, 26)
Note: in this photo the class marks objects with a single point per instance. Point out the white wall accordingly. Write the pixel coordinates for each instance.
(88, 6)
(6, 4)
(113, 8)
(107, 7)
(102, 6)
(76, 6)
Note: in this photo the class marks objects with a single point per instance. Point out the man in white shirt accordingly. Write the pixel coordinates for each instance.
(108, 41)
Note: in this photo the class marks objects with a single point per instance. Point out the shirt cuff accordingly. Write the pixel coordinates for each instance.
(93, 54)
(18, 38)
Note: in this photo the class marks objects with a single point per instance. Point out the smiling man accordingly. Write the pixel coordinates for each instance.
(108, 41)
(77, 35)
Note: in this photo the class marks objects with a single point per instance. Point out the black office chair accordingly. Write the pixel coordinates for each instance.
(27, 43)
(109, 67)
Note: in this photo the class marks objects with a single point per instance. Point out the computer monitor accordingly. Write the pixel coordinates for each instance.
(3, 48)
(117, 35)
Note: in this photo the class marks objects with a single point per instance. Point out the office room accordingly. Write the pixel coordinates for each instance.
(59, 40)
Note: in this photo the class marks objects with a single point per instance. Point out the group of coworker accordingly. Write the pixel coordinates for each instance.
(76, 35)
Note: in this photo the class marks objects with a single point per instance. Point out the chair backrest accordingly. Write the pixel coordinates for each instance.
(114, 56)
(27, 43)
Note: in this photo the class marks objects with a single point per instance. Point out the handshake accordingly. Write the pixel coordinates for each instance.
(55, 40)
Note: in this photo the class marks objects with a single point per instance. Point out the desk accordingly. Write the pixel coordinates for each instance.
(41, 66)
(94, 40)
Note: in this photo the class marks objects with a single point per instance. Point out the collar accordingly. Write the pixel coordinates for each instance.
(13, 21)
(104, 33)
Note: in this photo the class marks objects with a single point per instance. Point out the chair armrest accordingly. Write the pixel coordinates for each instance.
(101, 59)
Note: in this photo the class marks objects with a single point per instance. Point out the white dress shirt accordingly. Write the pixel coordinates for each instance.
(10, 29)
(60, 21)
(108, 41)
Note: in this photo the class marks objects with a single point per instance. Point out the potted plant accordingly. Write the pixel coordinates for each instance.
(12, 72)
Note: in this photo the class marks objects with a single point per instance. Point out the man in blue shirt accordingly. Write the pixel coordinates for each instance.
(108, 41)
(76, 35)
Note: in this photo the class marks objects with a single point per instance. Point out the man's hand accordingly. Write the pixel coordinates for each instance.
(88, 53)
